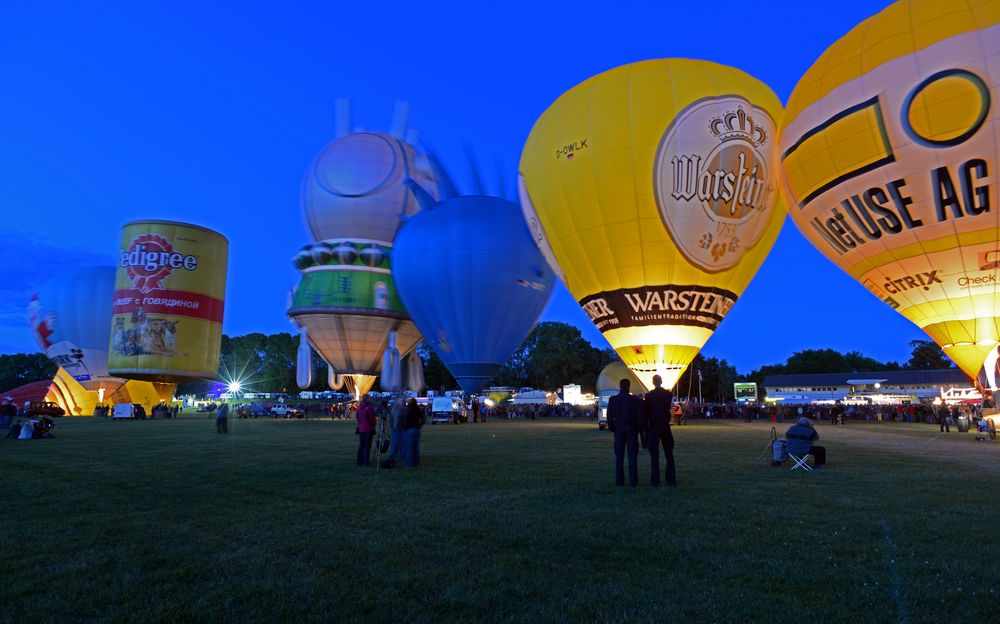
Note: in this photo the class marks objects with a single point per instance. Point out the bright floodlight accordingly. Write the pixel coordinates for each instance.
(234, 387)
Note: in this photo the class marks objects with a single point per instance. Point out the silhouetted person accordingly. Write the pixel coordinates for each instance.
(656, 408)
(222, 419)
(624, 420)
(800, 442)
(414, 422)
(366, 429)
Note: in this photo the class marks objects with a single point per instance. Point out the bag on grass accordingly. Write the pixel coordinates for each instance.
(779, 452)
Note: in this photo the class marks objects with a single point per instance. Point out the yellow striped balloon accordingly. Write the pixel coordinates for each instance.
(889, 159)
(652, 190)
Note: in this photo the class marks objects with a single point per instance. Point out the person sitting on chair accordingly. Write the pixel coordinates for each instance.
(800, 442)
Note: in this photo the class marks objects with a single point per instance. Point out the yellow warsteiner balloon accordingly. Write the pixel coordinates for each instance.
(889, 154)
(652, 189)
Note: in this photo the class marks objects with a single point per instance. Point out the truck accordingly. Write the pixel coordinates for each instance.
(443, 410)
(281, 410)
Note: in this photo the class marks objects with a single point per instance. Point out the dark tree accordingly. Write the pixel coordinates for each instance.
(436, 375)
(927, 355)
(24, 368)
(556, 354)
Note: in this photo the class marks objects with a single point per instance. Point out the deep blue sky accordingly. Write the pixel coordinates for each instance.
(209, 112)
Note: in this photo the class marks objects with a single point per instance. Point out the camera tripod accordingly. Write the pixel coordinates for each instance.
(381, 439)
(770, 444)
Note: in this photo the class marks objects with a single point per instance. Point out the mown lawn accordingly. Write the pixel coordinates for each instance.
(165, 521)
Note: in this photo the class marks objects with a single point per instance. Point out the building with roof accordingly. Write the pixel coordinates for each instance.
(876, 387)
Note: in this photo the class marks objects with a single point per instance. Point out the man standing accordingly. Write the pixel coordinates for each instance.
(657, 415)
(366, 429)
(222, 419)
(623, 420)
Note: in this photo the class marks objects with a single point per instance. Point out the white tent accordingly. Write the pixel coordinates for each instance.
(532, 396)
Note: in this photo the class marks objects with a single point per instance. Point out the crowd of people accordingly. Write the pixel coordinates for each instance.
(533, 411)
(837, 413)
(402, 419)
(21, 425)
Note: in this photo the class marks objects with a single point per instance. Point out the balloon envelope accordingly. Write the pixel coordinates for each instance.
(473, 282)
(354, 188)
(70, 317)
(353, 201)
(349, 308)
(653, 188)
(610, 377)
(170, 289)
(889, 155)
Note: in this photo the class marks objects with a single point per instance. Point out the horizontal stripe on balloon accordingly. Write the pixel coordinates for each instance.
(170, 302)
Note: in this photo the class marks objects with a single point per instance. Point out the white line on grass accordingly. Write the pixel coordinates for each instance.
(895, 582)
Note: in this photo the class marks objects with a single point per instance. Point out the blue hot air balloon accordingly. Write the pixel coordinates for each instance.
(473, 281)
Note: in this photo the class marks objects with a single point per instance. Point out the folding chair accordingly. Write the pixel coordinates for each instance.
(800, 462)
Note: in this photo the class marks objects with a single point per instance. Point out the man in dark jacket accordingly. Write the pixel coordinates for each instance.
(800, 442)
(657, 422)
(624, 421)
(222, 419)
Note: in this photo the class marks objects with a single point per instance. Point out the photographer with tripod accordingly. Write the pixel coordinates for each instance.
(397, 437)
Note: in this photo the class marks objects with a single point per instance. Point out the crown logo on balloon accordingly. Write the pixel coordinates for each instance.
(737, 124)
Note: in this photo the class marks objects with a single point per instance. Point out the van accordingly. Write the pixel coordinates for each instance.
(442, 410)
(129, 410)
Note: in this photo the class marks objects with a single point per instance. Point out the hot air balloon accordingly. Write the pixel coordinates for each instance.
(652, 188)
(353, 201)
(889, 156)
(70, 317)
(168, 301)
(473, 281)
(607, 386)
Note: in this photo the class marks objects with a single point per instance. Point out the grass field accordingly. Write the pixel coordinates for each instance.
(165, 521)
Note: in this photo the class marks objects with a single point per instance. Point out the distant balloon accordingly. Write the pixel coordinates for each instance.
(653, 189)
(70, 317)
(610, 377)
(889, 153)
(473, 281)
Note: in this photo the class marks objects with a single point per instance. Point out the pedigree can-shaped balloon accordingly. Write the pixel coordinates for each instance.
(889, 154)
(170, 285)
(652, 189)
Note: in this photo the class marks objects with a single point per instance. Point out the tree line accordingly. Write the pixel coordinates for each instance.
(554, 354)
